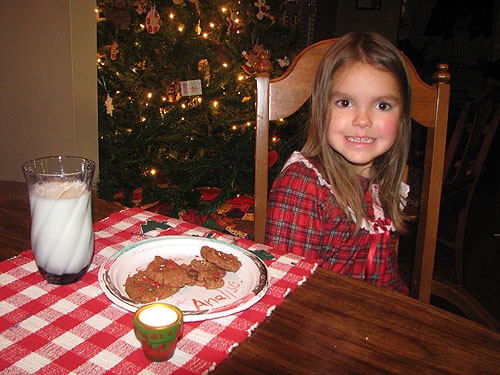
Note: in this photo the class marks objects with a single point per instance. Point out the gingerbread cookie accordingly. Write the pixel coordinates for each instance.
(209, 275)
(167, 272)
(191, 273)
(142, 289)
(225, 261)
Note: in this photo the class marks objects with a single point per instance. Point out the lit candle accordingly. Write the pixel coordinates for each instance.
(158, 316)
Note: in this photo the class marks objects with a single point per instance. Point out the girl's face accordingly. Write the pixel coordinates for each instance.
(366, 108)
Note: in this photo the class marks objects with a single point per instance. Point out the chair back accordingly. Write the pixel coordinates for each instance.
(470, 143)
(280, 97)
(465, 155)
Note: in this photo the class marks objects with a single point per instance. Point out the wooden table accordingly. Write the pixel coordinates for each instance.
(15, 218)
(332, 324)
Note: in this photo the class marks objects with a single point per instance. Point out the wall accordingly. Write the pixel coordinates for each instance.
(48, 93)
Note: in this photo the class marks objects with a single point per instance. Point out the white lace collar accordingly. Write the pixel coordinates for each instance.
(369, 225)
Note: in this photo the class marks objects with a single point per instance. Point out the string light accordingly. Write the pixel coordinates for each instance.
(198, 100)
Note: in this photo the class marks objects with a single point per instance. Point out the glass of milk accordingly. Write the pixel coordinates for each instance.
(62, 236)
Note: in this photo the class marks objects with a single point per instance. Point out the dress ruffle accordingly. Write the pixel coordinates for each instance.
(380, 224)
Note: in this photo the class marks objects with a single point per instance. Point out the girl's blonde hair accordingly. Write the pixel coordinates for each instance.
(373, 49)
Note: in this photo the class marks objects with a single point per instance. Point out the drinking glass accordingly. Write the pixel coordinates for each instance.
(62, 236)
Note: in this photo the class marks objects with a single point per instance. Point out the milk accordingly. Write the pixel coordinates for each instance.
(62, 236)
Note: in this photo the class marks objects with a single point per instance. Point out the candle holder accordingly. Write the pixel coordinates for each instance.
(158, 326)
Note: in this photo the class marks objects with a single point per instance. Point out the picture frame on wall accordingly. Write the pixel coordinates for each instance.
(368, 4)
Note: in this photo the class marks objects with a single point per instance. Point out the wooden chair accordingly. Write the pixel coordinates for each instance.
(282, 96)
(465, 156)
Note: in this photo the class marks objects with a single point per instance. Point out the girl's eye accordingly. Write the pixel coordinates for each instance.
(384, 106)
(344, 103)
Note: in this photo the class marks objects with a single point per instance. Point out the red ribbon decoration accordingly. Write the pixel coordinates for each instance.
(369, 266)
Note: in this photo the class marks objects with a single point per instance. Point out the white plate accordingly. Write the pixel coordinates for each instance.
(241, 289)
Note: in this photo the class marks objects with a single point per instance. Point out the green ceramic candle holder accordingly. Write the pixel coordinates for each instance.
(158, 326)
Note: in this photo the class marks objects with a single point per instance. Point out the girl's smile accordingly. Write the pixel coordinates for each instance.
(365, 115)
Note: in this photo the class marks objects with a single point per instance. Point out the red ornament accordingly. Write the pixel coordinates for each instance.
(272, 158)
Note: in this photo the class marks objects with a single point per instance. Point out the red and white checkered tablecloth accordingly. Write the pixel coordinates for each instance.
(49, 329)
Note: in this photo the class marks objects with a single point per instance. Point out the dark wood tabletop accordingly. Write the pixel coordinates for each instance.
(15, 217)
(332, 324)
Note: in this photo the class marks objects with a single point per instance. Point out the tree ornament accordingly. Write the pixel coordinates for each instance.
(140, 6)
(204, 68)
(272, 158)
(113, 51)
(252, 57)
(153, 20)
(198, 28)
(172, 96)
(234, 22)
(109, 105)
(263, 9)
(284, 62)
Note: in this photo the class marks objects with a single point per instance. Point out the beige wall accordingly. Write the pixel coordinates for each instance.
(48, 93)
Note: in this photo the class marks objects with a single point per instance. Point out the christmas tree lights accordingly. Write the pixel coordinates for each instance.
(176, 96)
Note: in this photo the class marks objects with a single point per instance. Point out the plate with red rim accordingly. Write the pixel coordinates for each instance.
(241, 289)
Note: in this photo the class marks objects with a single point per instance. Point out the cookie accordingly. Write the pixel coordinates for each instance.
(167, 272)
(192, 274)
(222, 260)
(142, 289)
(208, 275)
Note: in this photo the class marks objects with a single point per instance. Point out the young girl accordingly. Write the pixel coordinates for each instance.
(340, 199)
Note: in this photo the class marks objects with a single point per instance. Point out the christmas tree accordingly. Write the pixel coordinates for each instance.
(176, 97)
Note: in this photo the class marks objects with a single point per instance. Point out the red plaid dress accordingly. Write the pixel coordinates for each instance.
(305, 219)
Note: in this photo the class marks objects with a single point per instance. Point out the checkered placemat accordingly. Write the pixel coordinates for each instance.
(48, 329)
